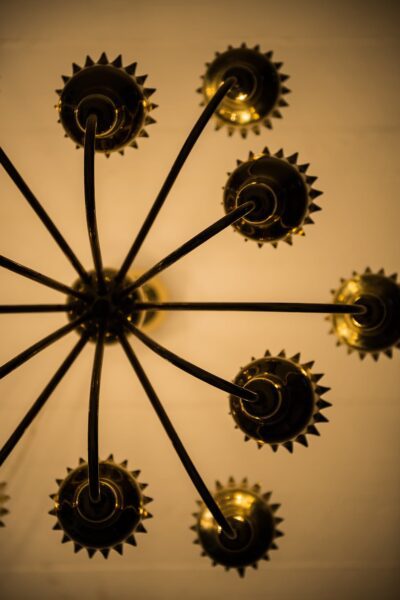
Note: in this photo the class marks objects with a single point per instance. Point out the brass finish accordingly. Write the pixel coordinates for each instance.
(115, 95)
(252, 517)
(109, 523)
(283, 193)
(379, 329)
(258, 94)
(115, 308)
(290, 401)
(153, 290)
(3, 499)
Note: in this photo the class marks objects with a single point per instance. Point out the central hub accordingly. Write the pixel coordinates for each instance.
(106, 308)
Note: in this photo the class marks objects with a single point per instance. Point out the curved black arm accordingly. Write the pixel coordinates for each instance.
(173, 174)
(293, 307)
(90, 202)
(176, 442)
(185, 365)
(93, 423)
(42, 214)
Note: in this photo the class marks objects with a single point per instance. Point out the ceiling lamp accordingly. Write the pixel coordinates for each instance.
(275, 400)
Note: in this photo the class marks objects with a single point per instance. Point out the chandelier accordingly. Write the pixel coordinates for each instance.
(275, 400)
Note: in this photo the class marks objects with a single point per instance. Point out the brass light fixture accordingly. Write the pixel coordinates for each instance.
(275, 400)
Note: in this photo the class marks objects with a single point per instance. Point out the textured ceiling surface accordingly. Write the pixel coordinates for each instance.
(340, 496)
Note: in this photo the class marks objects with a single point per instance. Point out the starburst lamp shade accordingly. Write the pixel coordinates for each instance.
(275, 400)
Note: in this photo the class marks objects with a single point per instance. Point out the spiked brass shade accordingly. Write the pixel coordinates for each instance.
(275, 400)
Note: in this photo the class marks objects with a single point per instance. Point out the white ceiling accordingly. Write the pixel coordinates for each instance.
(340, 497)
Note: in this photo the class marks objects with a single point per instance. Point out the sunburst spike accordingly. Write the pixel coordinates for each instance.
(308, 221)
(218, 485)
(69, 470)
(283, 77)
(367, 271)
(65, 539)
(375, 356)
(320, 418)
(134, 144)
(276, 113)
(131, 69)
(279, 153)
(282, 102)
(323, 404)
(143, 486)
(267, 123)
(321, 389)
(218, 124)
(315, 193)
(303, 168)
(59, 481)
(269, 54)
(282, 353)
(121, 152)
(76, 68)
(296, 357)
(91, 552)
(149, 120)
(141, 528)
(311, 179)
(279, 533)
(312, 430)
(196, 541)
(260, 244)
(301, 439)
(288, 446)
(288, 240)
(278, 65)
(285, 90)
(77, 547)
(52, 496)
(59, 92)
(136, 473)
(124, 464)
(267, 353)
(148, 515)
(82, 461)
(266, 151)
(57, 526)
(256, 488)
(314, 207)
(231, 481)
(65, 78)
(317, 376)
(308, 365)
(131, 540)
(149, 92)
(243, 132)
(251, 155)
(274, 447)
(259, 444)
(274, 546)
(241, 571)
(193, 527)
(52, 512)
(141, 79)
(389, 353)
(103, 60)
(243, 45)
(107, 155)
(293, 158)
(89, 61)
(119, 548)
(244, 482)
(143, 133)
(274, 507)
(110, 458)
(393, 276)
(117, 62)
(147, 499)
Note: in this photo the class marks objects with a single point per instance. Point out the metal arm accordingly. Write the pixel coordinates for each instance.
(93, 423)
(173, 174)
(293, 307)
(176, 442)
(42, 214)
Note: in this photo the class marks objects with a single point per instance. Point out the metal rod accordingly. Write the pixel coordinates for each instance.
(176, 442)
(173, 174)
(9, 264)
(90, 201)
(181, 363)
(34, 308)
(42, 399)
(43, 216)
(294, 307)
(24, 356)
(192, 244)
(93, 422)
